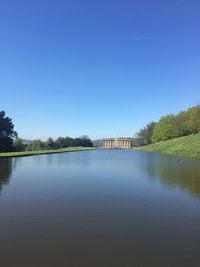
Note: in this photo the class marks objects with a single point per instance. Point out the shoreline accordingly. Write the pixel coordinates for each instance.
(43, 152)
(186, 147)
(166, 154)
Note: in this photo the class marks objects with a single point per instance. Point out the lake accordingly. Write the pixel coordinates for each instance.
(100, 208)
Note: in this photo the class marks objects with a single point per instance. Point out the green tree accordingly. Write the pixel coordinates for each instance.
(164, 129)
(18, 145)
(67, 141)
(7, 133)
(144, 136)
(171, 126)
(85, 141)
(49, 144)
(36, 145)
(193, 122)
(59, 142)
(180, 124)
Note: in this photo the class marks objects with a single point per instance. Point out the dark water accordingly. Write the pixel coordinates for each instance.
(99, 208)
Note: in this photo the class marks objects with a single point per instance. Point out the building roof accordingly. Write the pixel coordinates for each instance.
(119, 139)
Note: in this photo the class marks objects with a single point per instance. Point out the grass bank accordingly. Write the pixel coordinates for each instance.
(187, 146)
(40, 152)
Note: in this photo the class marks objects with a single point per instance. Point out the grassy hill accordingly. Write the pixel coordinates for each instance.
(187, 146)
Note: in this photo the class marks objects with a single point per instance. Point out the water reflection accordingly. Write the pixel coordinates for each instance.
(99, 208)
(7, 166)
(5, 171)
(165, 169)
(184, 175)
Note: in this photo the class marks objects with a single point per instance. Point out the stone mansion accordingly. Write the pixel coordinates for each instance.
(114, 143)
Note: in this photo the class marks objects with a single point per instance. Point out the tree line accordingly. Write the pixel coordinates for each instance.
(9, 141)
(49, 144)
(170, 126)
(61, 142)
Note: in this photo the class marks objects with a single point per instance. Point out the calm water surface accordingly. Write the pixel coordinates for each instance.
(99, 208)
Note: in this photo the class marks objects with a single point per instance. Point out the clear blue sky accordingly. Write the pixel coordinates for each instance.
(102, 68)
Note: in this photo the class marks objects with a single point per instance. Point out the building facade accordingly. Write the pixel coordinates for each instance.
(112, 143)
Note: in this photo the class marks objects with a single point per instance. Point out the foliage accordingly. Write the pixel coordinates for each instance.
(7, 133)
(61, 142)
(180, 124)
(193, 119)
(172, 126)
(169, 127)
(49, 144)
(144, 136)
(36, 145)
(164, 129)
(18, 145)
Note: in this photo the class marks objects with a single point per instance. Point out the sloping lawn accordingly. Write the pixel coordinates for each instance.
(187, 146)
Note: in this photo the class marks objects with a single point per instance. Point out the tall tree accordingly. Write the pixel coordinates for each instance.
(49, 144)
(180, 124)
(67, 141)
(193, 122)
(36, 145)
(164, 129)
(18, 145)
(144, 136)
(7, 133)
(59, 142)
